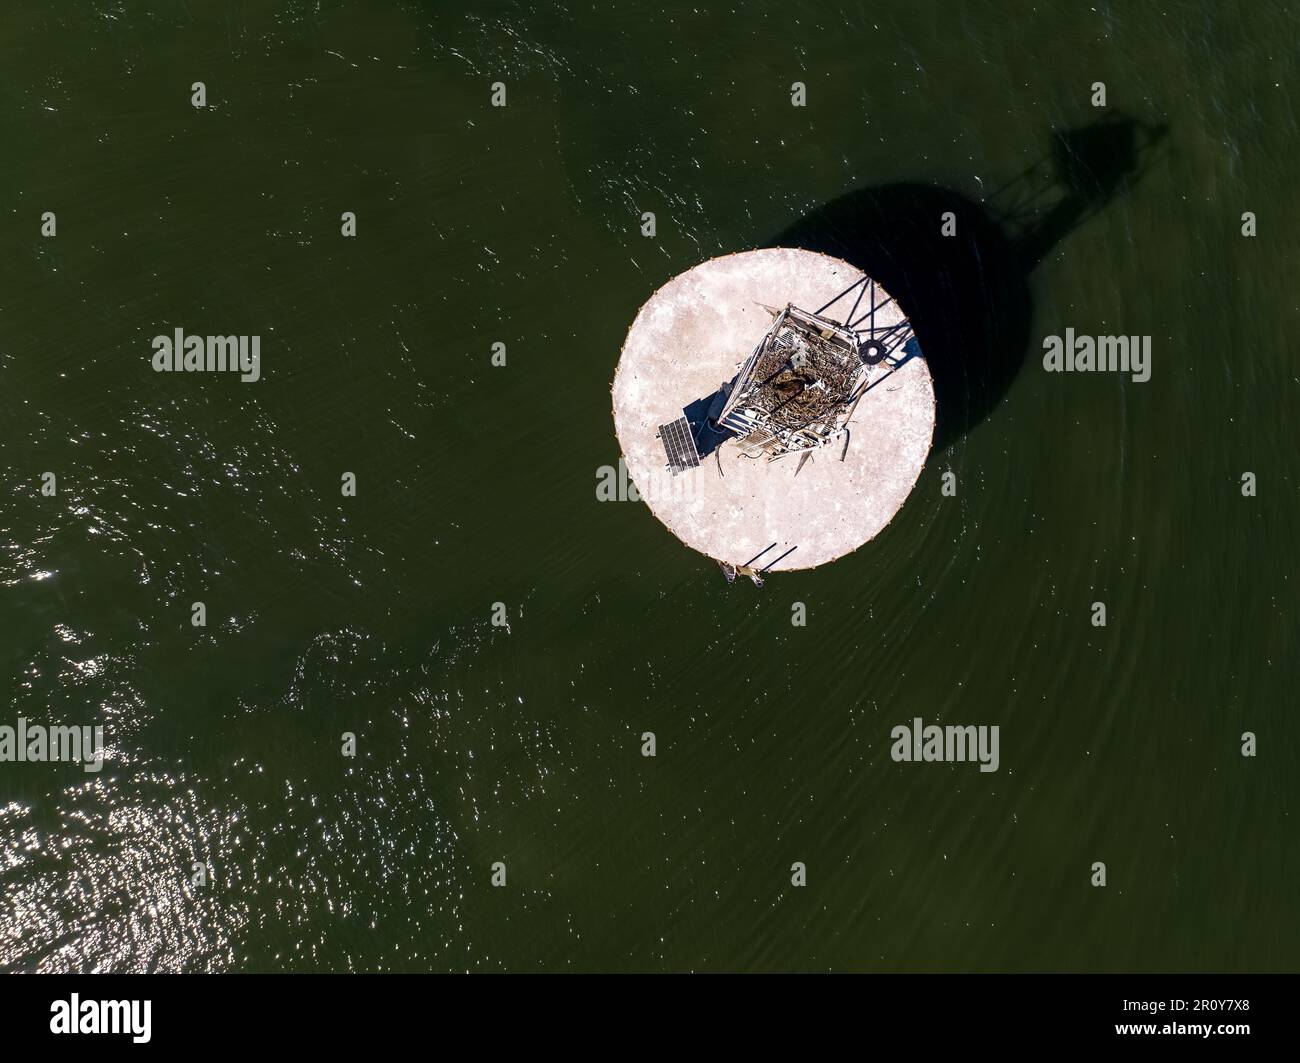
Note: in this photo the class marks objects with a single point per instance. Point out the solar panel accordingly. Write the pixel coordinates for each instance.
(679, 445)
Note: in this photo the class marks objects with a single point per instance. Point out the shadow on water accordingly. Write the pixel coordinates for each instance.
(967, 295)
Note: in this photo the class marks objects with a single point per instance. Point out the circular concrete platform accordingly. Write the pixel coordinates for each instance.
(693, 335)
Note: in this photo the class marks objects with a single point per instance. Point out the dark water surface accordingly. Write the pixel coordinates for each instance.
(476, 485)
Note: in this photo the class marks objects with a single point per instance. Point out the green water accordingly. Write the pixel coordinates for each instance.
(476, 485)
